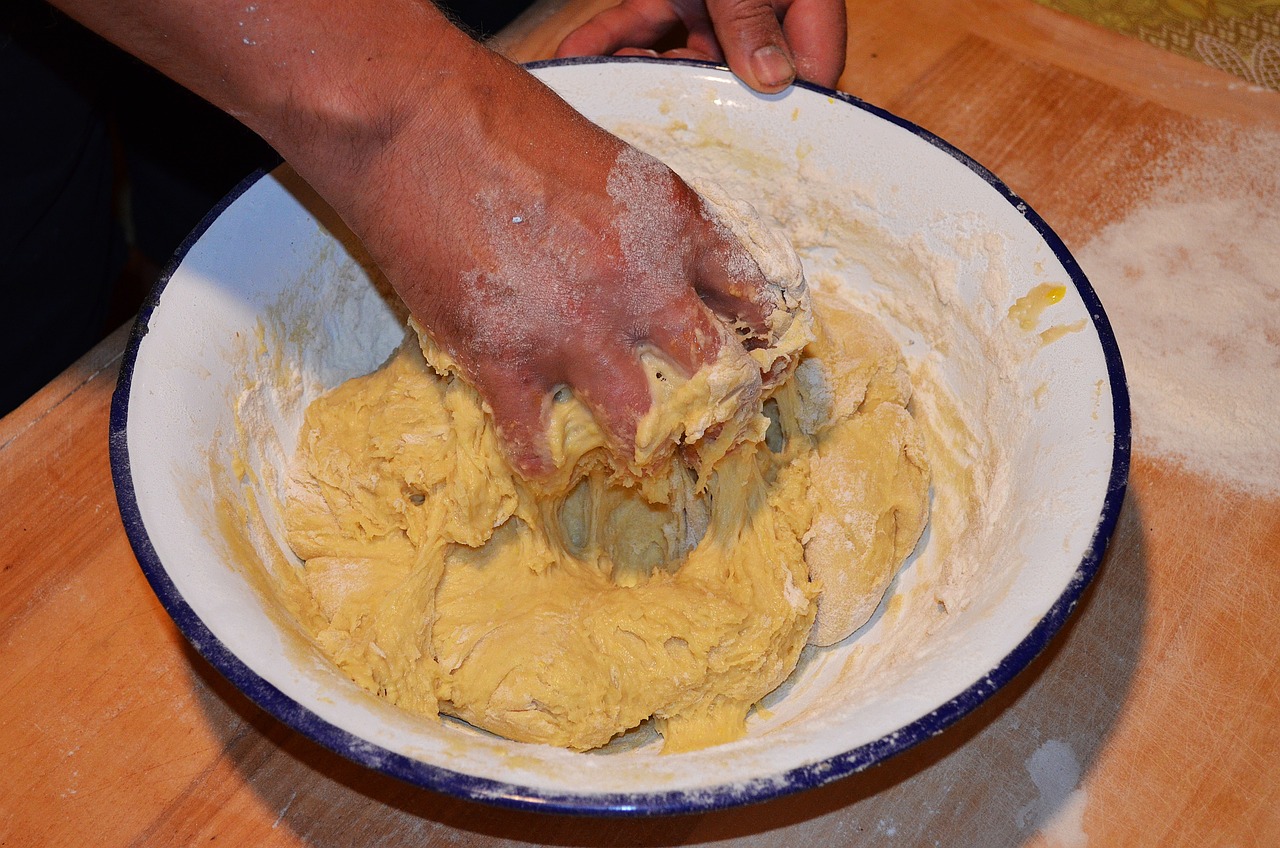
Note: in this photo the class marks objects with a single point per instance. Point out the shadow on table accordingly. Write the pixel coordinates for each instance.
(996, 778)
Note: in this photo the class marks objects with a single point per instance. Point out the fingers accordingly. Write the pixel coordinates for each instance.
(701, 32)
(817, 31)
(732, 286)
(629, 24)
(608, 376)
(677, 53)
(688, 334)
(610, 380)
(767, 43)
(753, 42)
(730, 283)
(520, 401)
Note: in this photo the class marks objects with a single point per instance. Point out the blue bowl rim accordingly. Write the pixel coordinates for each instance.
(730, 794)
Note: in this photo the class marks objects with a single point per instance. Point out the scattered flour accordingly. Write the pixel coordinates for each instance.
(1058, 813)
(1191, 283)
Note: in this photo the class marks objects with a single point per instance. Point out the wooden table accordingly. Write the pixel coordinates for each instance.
(1154, 719)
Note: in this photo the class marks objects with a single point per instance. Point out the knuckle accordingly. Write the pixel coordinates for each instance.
(749, 18)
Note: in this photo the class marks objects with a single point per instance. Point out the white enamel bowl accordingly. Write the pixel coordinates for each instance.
(266, 307)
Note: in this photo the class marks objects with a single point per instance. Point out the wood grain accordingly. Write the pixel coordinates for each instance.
(1153, 720)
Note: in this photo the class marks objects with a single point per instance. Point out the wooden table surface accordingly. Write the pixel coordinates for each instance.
(1153, 719)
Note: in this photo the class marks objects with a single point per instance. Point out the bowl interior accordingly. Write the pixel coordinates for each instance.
(1021, 395)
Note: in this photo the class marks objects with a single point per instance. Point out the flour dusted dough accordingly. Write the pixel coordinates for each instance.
(569, 611)
(868, 472)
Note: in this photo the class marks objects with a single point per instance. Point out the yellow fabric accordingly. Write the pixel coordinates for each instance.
(1241, 37)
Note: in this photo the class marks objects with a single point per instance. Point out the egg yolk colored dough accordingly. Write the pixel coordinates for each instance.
(441, 580)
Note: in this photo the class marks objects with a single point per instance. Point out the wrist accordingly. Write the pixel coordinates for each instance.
(352, 100)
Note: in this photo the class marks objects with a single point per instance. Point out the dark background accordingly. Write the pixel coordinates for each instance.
(105, 167)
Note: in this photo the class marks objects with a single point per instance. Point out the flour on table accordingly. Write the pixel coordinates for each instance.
(1057, 814)
(1191, 283)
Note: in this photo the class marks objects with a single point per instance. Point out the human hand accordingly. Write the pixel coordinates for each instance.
(538, 251)
(767, 43)
(541, 252)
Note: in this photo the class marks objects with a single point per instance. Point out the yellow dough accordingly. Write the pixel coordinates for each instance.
(571, 611)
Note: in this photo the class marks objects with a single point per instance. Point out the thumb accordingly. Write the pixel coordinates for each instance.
(753, 43)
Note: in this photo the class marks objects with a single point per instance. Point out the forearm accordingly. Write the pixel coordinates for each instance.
(393, 114)
(318, 81)
(537, 249)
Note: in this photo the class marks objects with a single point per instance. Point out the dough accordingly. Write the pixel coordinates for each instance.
(868, 472)
(675, 586)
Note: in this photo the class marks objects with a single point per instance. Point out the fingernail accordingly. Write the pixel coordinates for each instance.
(772, 67)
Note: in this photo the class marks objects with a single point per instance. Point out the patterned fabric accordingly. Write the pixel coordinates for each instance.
(1241, 37)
